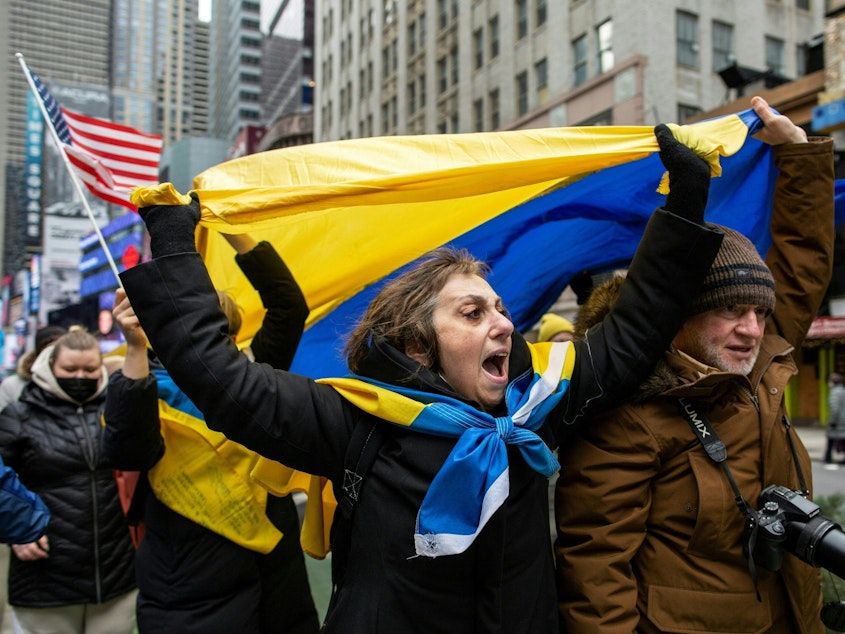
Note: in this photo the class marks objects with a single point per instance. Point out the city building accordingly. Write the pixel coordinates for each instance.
(234, 85)
(62, 41)
(159, 67)
(438, 66)
(288, 73)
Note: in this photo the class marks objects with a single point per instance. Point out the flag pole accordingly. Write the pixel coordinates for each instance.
(49, 123)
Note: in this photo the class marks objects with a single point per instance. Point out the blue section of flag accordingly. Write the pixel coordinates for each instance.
(174, 397)
(54, 111)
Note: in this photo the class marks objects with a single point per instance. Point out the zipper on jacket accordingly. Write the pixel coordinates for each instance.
(751, 395)
(97, 580)
(92, 475)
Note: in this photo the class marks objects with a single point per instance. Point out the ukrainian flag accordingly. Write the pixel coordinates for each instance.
(538, 205)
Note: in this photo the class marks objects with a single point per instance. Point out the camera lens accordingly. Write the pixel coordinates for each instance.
(819, 542)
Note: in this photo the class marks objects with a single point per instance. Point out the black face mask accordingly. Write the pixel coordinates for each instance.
(80, 390)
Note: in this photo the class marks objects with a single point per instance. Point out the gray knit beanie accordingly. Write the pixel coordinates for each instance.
(737, 276)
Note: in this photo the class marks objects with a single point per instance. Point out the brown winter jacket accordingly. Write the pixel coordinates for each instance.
(650, 538)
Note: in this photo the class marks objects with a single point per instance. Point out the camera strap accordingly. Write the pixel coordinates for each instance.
(714, 447)
(703, 429)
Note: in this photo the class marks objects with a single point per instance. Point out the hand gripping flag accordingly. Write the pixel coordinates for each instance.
(111, 159)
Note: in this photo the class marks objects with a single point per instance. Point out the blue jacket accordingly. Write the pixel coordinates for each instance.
(23, 516)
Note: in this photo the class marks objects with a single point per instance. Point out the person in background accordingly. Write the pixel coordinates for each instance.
(835, 428)
(195, 573)
(651, 526)
(79, 577)
(448, 529)
(553, 327)
(12, 386)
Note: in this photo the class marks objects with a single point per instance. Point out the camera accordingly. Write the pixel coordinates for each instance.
(787, 521)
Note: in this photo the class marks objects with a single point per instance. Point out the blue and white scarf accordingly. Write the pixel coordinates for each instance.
(474, 481)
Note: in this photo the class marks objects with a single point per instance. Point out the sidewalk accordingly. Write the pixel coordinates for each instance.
(814, 440)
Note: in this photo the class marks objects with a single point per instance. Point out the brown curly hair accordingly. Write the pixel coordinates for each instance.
(402, 312)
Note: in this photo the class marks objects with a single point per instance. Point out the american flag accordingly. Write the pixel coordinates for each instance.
(111, 159)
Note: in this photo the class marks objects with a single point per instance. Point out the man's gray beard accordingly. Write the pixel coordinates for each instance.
(713, 357)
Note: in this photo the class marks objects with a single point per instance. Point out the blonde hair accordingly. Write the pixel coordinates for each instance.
(232, 312)
(77, 338)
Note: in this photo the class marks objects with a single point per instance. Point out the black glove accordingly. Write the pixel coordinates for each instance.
(582, 285)
(689, 176)
(172, 227)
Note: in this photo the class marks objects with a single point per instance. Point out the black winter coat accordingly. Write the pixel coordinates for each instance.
(191, 579)
(55, 446)
(504, 582)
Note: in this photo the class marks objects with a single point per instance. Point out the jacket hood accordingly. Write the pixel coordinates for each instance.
(43, 377)
(24, 366)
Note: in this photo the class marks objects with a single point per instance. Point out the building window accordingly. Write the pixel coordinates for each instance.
(422, 92)
(579, 57)
(412, 39)
(687, 39)
(443, 13)
(521, 19)
(454, 63)
(522, 94)
(478, 46)
(541, 81)
(802, 58)
(802, 4)
(542, 12)
(412, 98)
(385, 62)
(390, 10)
(478, 115)
(687, 112)
(723, 45)
(604, 41)
(442, 74)
(455, 123)
(421, 20)
(602, 118)
(494, 37)
(385, 118)
(494, 109)
(774, 55)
